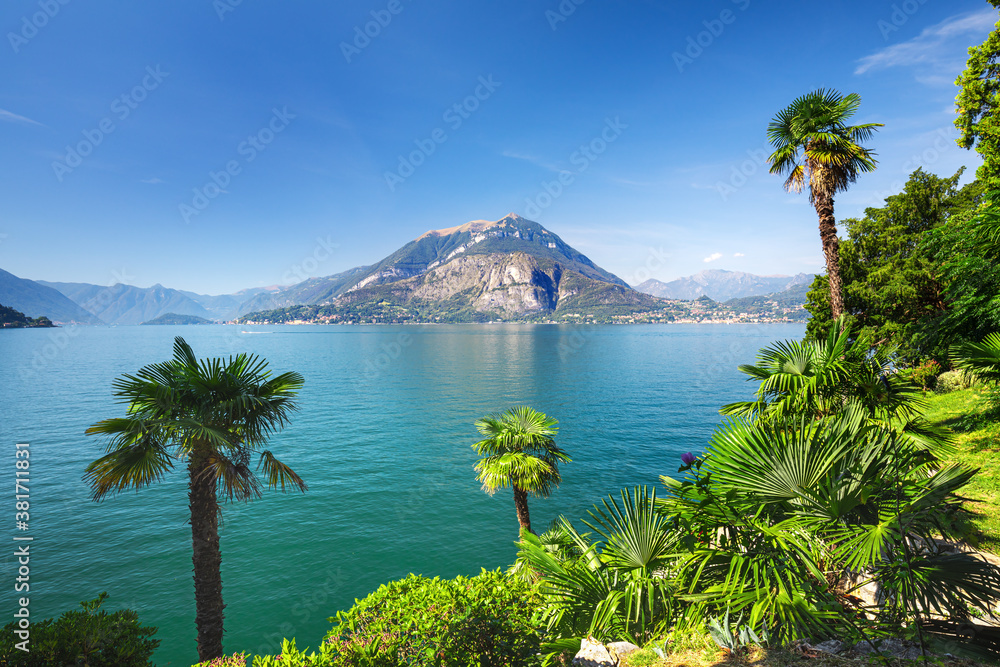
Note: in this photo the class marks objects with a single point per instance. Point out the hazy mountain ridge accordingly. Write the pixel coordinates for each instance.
(720, 285)
(37, 300)
(126, 304)
(311, 291)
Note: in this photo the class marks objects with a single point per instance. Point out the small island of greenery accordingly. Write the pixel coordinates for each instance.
(15, 319)
(174, 318)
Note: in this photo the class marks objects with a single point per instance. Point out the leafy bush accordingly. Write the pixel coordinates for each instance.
(234, 660)
(483, 620)
(953, 381)
(292, 657)
(89, 637)
(925, 373)
(613, 587)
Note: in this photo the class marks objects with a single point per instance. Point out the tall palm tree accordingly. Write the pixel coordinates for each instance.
(215, 414)
(815, 126)
(519, 452)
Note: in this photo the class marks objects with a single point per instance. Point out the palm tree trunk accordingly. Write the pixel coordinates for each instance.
(831, 249)
(521, 505)
(207, 557)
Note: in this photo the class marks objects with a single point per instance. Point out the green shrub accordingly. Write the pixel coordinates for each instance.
(234, 660)
(292, 657)
(479, 621)
(644, 657)
(925, 374)
(953, 381)
(89, 637)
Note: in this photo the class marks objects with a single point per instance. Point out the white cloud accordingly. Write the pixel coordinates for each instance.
(938, 48)
(714, 256)
(738, 254)
(14, 118)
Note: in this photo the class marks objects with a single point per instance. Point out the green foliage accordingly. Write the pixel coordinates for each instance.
(926, 373)
(612, 588)
(225, 409)
(977, 445)
(832, 473)
(234, 660)
(519, 451)
(955, 380)
(970, 274)
(484, 620)
(734, 638)
(978, 105)
(827, 376)
(892, 280)
(15, 319)
(981, 359)
(290, 656)
(643, 658)
(813, 129)
(90, 637)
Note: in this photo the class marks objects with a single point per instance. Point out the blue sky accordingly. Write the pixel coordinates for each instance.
(213, 145)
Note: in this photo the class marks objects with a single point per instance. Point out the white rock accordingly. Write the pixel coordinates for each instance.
(593, 653)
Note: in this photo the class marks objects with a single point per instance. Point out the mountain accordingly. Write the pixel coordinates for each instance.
(227, 306)
(126, 304)
(721, 285)
(174, 318)
(35, 299)
(311, 291)
(510, 268)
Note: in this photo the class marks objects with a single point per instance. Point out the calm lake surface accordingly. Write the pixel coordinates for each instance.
(383, 440)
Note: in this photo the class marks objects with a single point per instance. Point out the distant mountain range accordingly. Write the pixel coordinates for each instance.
(720, 285)
(508, 269)
(37, 300)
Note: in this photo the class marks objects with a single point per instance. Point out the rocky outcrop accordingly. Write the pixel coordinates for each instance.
(513, 284)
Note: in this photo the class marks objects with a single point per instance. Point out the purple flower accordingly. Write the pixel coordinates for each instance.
(688, 458)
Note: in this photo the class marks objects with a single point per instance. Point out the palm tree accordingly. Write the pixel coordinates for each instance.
(519, 452)
(815, 125)
(214, 414)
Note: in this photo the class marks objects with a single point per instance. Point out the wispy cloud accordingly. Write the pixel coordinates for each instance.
(153, 181)
(714, 256)
(739, 254)
(14, 118)
(938, 49)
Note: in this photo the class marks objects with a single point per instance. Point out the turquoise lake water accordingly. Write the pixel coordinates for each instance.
(383, 440)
